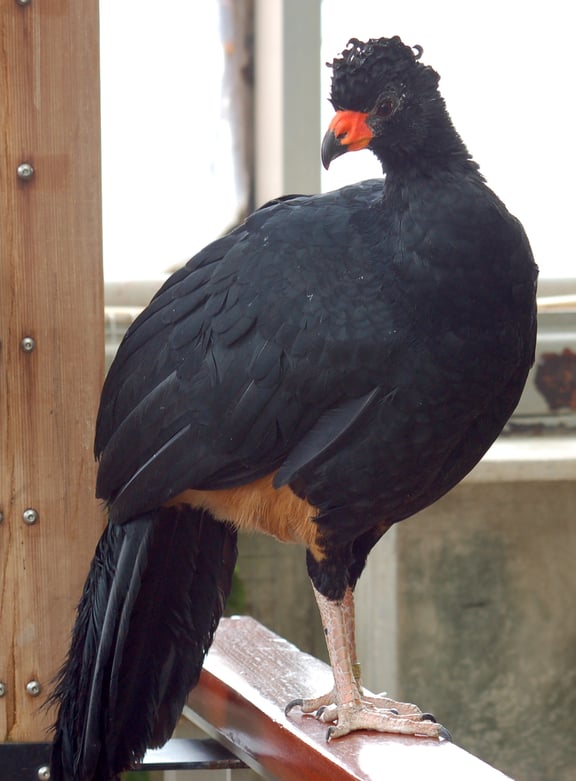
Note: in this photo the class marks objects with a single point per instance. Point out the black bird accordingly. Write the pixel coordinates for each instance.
(331, 366)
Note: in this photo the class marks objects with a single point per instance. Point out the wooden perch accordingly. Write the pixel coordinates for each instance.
(249, 676)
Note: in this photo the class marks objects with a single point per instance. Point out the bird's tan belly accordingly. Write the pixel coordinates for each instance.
(259, 506)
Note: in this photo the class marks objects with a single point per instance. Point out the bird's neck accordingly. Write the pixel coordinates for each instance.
(439, 150)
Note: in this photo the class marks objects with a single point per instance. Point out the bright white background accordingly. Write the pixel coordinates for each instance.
(507, 76)
(167, 179)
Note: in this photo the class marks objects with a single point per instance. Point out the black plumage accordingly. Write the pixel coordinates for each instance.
(137, 650)
(360, 350)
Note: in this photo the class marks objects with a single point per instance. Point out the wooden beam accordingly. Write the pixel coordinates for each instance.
(249, 676)
(51, 297)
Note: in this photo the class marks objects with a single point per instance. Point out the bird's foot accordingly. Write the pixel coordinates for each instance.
(364, 715)
(379, 713)
(325, 708)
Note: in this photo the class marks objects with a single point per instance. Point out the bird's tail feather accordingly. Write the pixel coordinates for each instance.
(153, 598)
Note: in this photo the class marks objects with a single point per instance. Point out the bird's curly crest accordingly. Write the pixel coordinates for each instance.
(364, 67)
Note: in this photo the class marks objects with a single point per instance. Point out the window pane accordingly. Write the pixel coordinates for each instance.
(167, 154)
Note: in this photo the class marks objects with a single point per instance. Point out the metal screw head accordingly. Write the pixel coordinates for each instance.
(2, 689)
(22, 2)
(28, 344)
(1, 516)
(43, 773)
(25, 171)
(30, 516)
(33, 688)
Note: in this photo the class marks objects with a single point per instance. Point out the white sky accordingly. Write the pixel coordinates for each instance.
(507, 77)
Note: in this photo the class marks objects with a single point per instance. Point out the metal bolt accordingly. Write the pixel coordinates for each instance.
(30, 516)
(28, 344)
(1, 517)
(33, 688)
(25, 171)
(2, 689)
(22, 2)
(44, 773)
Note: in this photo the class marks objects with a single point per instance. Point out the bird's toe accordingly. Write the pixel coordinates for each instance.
(382, 702)
(315, 705)
(365, 717)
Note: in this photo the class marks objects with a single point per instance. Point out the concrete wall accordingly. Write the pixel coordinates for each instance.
(483, 630)
(278, 591)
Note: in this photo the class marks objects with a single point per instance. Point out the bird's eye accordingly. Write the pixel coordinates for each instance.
(386, 108)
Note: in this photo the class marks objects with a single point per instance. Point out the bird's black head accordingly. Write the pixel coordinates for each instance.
(387, 100)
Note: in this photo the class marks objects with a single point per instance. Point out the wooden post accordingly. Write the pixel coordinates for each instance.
(51, 333)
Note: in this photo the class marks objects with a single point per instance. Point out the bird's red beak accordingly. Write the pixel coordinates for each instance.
(347, 132)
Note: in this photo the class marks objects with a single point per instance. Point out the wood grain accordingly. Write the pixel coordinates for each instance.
(50, 290)
(249, 676)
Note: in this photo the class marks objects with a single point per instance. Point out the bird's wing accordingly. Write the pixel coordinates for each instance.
(270, 347)
(245, 356)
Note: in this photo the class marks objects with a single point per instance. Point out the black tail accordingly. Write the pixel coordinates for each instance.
(155, 593)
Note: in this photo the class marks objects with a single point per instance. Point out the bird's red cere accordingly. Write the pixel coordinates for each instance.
(350, 128)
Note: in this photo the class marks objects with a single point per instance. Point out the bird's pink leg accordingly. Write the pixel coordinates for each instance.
(325, 705)
(346, 704)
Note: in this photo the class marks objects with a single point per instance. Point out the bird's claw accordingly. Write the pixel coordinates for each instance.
(429, 717)
(297, 703)
(314, 705)
(444, 733)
